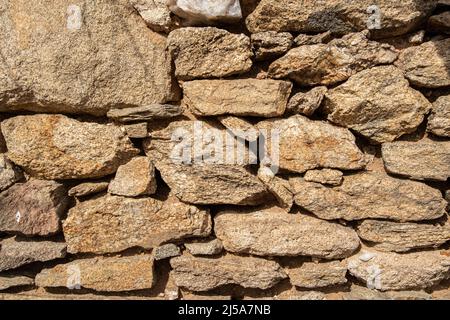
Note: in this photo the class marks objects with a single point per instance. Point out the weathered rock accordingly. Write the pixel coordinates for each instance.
(88, 188)
(206, 11)
(363, 293)
(407, 40)
(392, 271)
(15, 253)
(306, 39)
(297, 295)
(243, 97)
(80, 58)
(109, 274)
(280, 188)
(239, 127)
(135, 178)
(439, 121)
(205, 248)
(136, 130)
(423, 160)
(377, 103)
(316, 274)
(306, 102)
(33, 208)
(370, 195)
(440, 22)
(145, 113)
(324, 176)
(401, 237)
(273, 232)
(113, 224)
(340, 16)
(9, 173)
(270, 44)
(328, 64)
(209, 53)
(11, 281)
(57, 147)
(202, 274)
(306, 144)
(166, 251)
(427, 65)
(156, 14)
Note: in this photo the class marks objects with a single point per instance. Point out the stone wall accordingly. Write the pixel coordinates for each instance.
(286, 149)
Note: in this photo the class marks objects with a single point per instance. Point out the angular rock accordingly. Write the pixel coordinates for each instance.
(423, 160)
(278, 187)
(306, 102)
(439, 121)
(135, 178)
(402, 237)
(392, 271)
(206, 11)
(273, 232)
(136, 130)
(208, 248)
(156, 14)
(427, 65)
(328, 64)
(209, 52)
(317, 274)
(9, 173)
(324, 176)
(306, 39)
(145, 113)
(15, 253)
(239, 127)
(109, 274)
(74, 58)
(113, 224)
(57, 147)
(242, 97)
(270, 44)
(203, 274)
(33, 208)
(440, 22)
(88, 188)
(370, 195)
(306, 144)
(377, 103)
(11, 281)
(166, 251)
(363, 293)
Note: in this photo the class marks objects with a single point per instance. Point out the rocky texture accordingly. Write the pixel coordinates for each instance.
(440, 22)
(427, 65)
(392, 271)
(306, 103)
(401, 237)
(206, 12)
(156, 14)
(16, 252)
(145, 113)
(370, 195)
(280, 188)
(11, 281)
(324, 176)
(88, 188)
(205, 248)
(58, 147)
(439, 121)
(307, 39)
(240, 127)
(136, 178)
(363, 293)
(377, 103)
(113, 224)
(9, 173)
(166, 251)
(209, 53)
(74, 58)
(423, 160)
(306, 144)
(263, 98)
(202, 274)
(328, 64)
(317, 274)
(270, 44)
(136, 130)
(33, 208)
(273, 232)
(113, 274)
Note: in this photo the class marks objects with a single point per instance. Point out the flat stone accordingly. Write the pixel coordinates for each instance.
(279, 187)
(145, 113)
(135, 178)
(167, 251)
(12, 281)
(370, 195)
(80, 58)
(108, 274)
(204, 248)
(240, 127)
(203, 274)
(306, 103)
(377, 103)
(156, 14)
(440, 22)
(307, 39)
(401, 237)
(423, 160)
(88, 188)
(208, 52)
(324, 176)
(242, 97)
(270, 44)
(113, 224)
(273, 232)
(57, 147)
(363, 293)
(136, 130)
(317, 274)
(33, 208)
(206, 11)
(439, 121)
(15, 252)
(9, 173)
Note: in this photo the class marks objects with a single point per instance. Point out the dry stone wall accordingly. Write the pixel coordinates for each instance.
(276, 149)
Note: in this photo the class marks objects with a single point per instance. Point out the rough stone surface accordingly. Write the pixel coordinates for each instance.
(202, 274)
(270, 44)
(204, 248)
(58, 147)
(33, 208)
(113, 224)
(15, 252)
(11, 281)
(88, 188)
(401, 237)
(316, 274)
(306, 103)
(273, 232)
(9, 173)
(209, 53)
(306, 144)
(136, 130)
(136, 178)
(324, 176)
(167, 251)
(206, 12)
(370, 195)
(307, 39)
(156, 14)
(377, 103)
(262, 98)
(73, 58)
(440, 22)
(145, 113)
(363, 293)
(439, 121)
(423, 160)
(109, 274)
(240, 127)
(279, 187)
(327, 64)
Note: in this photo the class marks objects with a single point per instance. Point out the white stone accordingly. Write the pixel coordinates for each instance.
(206, 11)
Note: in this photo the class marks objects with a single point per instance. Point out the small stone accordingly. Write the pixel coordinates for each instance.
(297, 295)
(324, 176)
(88, 188)
(145, 113)
(9, 173)
(280, 188)
(156, 14)
(440, 23)
(205, 248)
(270, 44)
(166, 251)
(367, 256)
(306, 102)
(239, 127)
(11, 281)
(439, 121)
(317, 275)
(136, 130)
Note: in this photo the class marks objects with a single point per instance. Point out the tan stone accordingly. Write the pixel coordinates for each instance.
(307, 39)
(440, 22)
(88, 188)
(306, 102)
(165, 251)
(316, 274)
(136, 130)
(324, 176)
(145, 113)
(9, 173)
(280, 188)
(11, 281)
(270, 44)
(439, 121)
(363, 293)
(240, 127)
(204, 248)
(156, 14)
